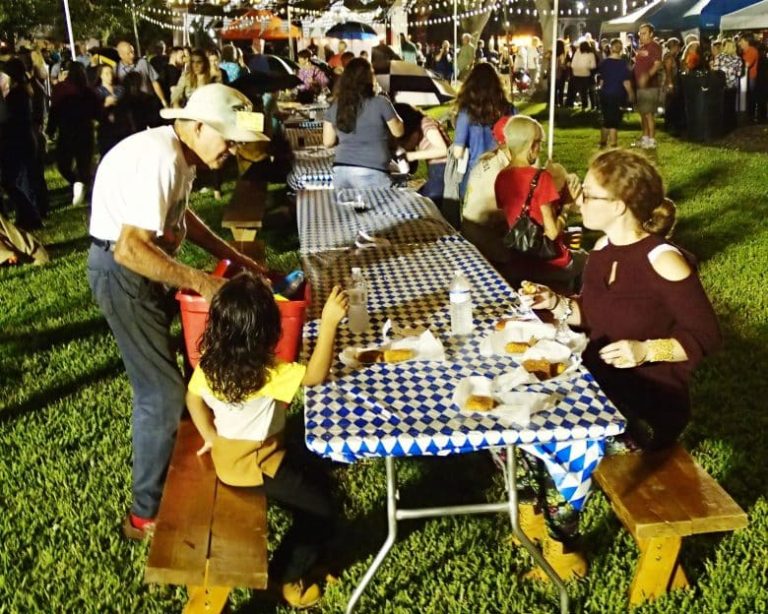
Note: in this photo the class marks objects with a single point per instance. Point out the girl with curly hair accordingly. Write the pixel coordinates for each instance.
(481, 102)
(361, 122)
(238, 397)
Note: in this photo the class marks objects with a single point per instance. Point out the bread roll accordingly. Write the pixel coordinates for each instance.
(543, 369)
(398, 355)
(478, 402)
(516, 347)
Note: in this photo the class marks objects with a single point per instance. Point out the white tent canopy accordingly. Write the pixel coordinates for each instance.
(753, 17)
(630, 21)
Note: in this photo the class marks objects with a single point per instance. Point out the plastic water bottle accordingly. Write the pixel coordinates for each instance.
(292, 283)
(461, 305)
(357, 291)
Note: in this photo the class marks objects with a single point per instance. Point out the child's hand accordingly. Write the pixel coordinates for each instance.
(335, 307)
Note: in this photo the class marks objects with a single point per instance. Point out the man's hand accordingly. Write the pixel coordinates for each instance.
(209, 285)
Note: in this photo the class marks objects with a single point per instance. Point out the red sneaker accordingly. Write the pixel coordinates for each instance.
(138, 528)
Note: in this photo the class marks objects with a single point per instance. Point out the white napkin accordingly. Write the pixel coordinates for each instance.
(515, 330)
(425, 346)
(512, 409)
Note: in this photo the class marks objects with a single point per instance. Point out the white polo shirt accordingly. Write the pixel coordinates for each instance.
(143, 181)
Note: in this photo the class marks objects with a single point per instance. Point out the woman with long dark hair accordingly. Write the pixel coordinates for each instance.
(361, 122)
(74, 108)
(481, 102)
(19, 160)
(240, 384)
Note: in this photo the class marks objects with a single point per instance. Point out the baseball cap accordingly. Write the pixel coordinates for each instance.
(225, 110)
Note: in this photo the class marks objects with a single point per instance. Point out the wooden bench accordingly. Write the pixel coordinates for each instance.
(208, 536)
(245, 212)
(660, 498)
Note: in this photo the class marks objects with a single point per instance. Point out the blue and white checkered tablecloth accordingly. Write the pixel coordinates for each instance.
(405, 409)
(311, 173)
(299, 138)
(392, 213)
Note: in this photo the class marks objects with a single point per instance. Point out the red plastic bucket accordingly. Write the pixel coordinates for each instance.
(194, 316)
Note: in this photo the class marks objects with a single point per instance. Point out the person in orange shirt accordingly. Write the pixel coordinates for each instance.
(335, 60)
(751, 58)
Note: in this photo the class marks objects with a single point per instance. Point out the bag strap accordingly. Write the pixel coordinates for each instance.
(529, 198)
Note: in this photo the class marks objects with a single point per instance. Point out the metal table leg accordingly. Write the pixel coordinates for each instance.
(391, 534)
(509, 506)
(527, 543)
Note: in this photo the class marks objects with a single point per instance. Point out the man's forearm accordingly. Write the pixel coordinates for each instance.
(148, 260)
(160, 94)
(202, 236)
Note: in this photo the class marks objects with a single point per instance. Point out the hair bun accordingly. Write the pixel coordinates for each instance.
(663, 218)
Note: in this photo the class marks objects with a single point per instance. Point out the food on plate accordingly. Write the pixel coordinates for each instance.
(501, 324)
(398, 355)
(518, 347)
(479, 402)
(543, 369)
(528, 288)
(368, 357)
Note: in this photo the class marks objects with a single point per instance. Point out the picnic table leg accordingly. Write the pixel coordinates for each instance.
(527, 543)
(391, 534)
(658, 559)
(206, 600)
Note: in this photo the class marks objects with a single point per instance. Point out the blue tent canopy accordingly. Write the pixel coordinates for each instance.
(712, 12)
(671, 15)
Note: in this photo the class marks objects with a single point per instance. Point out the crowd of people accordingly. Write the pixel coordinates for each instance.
(160, 119)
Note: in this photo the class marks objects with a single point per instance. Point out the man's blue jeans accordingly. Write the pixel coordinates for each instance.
(359, 177)
(140, 313)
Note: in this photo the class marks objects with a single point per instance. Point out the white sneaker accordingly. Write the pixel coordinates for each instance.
(650, 144)
(78, 193)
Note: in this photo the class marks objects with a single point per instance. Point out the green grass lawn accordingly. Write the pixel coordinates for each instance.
(65, 438)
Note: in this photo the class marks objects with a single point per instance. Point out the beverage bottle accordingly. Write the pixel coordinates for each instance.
(357, 291)
(292, 282)
(460, 294)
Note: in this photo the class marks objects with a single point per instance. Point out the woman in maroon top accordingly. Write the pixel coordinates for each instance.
(648, 318)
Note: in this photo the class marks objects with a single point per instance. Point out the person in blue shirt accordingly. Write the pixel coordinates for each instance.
(616, 88)
(481, 102)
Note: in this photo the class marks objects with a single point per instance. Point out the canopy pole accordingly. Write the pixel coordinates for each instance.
(72, 36)
(552, 83)
(135, 30)
(290, 37)
(455, 42)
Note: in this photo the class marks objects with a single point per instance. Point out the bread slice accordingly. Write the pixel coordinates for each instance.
(398, 355)
(479, 402)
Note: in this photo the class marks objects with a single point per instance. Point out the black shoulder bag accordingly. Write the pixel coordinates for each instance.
(526, 236)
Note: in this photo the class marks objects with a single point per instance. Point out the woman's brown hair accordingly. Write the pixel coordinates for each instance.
(632, 178)
(353, 88)
(482, 96)
(204, 78)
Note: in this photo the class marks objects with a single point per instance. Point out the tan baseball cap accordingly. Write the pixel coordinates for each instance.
(225, 110)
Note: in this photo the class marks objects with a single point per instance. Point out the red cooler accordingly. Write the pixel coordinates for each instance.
(194, 315)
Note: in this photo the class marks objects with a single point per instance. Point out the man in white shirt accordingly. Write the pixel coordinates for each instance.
(139, 219)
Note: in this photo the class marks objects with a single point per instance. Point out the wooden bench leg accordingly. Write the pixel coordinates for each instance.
(211, 600)
(679, 579)
(658, 561)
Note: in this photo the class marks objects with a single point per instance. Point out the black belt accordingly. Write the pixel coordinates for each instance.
(107, 246)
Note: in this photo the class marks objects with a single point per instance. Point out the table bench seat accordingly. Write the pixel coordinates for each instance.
(662, 497)
(245, 212)
(209, 536)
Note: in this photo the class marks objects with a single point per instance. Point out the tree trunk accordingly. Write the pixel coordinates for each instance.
(544, 8)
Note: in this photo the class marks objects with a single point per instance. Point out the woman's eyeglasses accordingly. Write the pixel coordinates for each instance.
(586, 196)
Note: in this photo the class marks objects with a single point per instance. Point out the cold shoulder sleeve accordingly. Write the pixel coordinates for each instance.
(696, 326)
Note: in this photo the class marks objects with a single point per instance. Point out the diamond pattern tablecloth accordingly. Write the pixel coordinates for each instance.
(405, 409)
(399, 214)
(311, 173)
(303, 137)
